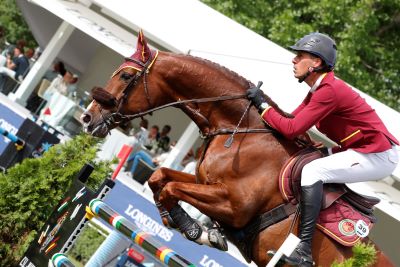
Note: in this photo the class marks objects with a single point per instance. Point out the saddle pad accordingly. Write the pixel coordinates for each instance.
(339, 221)
(290, 175)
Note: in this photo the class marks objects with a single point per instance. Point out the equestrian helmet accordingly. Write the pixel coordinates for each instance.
(320, 45)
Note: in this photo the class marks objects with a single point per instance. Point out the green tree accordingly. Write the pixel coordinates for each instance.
(367, 33)
(13, 24)
(29, 191)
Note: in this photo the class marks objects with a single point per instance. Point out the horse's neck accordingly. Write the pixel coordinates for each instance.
(197, 79)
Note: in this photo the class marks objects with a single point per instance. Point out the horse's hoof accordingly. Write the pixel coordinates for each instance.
(217, 239)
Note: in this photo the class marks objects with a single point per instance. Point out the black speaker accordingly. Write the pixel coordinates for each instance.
(37, 140)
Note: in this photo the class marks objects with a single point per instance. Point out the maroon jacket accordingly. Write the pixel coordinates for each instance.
(340, 113)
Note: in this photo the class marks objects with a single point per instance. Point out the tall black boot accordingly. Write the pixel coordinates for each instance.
(310, 206)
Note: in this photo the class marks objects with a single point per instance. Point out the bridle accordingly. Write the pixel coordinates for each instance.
(116, 118)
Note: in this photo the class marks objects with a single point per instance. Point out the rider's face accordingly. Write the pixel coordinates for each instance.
(302, 62)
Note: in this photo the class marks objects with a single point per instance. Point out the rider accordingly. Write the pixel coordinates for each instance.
(366, 150)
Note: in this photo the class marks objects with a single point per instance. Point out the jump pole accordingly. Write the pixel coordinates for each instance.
(166, 255)
(60, 260)
(19, 143)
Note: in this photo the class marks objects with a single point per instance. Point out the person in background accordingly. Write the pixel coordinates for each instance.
(58, 69)
(163, 141)
(59, 84)
(17, 66)
(146, 157)
(72, 87)
(143, 133)
(152, 138)
(29, 53)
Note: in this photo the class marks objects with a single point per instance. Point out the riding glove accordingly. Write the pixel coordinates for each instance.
(256, 96)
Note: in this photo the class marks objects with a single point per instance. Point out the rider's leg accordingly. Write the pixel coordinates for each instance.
(310, 205)
(344, 167)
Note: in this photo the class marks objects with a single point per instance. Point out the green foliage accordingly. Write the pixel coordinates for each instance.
(367, 33)
(14, 25)
(364, 255)
(30, 190)
(86, 244)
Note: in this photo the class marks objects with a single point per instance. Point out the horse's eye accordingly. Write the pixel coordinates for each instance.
(126, 76)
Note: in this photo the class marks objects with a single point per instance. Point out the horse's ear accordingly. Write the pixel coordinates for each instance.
(143, 52)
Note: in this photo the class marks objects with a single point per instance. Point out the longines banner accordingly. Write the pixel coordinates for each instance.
(144, 214)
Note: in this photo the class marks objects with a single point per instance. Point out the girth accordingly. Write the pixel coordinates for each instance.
(244, 237)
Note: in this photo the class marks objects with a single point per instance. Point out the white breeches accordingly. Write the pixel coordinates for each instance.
(350, 167)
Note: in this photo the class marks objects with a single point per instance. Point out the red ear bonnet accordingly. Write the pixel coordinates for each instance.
(143, 54)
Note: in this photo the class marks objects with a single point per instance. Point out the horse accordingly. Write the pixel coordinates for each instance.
(237, 177)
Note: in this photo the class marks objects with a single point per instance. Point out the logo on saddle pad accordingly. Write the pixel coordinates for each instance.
(347, 227)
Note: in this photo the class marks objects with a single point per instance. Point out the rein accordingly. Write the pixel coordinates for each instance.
(117, 117)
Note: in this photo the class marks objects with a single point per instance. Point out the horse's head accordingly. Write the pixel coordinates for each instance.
(126, 93)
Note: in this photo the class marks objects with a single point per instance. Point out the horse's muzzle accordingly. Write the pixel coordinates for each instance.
(99, 130)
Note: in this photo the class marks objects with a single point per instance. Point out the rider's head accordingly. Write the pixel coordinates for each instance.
(319, 50)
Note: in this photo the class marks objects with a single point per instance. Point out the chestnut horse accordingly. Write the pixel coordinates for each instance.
(232, 185)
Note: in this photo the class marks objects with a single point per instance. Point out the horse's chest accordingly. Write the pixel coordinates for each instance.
(214, 169)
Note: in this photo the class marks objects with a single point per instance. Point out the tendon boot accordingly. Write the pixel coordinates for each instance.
(310, 205)
(195, 231)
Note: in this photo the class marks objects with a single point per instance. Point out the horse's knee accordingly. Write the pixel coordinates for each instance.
(156, 179)
(167, 196)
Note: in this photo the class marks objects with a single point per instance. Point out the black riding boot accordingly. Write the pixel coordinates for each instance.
(310, 205)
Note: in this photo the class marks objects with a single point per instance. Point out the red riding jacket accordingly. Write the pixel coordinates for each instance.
(340, 113)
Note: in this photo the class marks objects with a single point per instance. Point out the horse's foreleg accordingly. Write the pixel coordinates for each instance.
(194, 231)
(157, 182)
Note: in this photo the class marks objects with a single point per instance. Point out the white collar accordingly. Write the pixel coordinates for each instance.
(317, 83)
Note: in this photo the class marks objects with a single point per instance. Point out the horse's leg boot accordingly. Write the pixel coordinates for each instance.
(311, 199)
(188, 226)
(194, 231)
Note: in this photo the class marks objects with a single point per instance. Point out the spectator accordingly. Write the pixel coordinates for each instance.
(29, 53)
(17, 66)
(72, 87)
(163, 141)
(146, 157)
(59, 84)
(152, 138)
(143, 133)
(58, 69)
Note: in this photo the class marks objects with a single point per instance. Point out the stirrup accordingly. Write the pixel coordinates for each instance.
(302, 261)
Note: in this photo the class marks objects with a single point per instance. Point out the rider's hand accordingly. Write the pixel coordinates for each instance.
(256, 96)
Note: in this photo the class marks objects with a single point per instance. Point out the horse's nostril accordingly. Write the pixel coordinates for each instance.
(86, 117)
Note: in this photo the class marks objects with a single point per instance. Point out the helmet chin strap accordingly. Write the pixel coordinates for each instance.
(309, 71)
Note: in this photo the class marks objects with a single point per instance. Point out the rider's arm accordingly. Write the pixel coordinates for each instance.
(302, 105)
(322, 102)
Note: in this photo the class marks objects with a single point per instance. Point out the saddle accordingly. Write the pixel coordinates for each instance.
(344, 212)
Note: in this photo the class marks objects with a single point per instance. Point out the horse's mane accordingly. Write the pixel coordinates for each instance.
(243, 81)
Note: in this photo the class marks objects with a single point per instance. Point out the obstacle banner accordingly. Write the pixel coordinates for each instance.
(144, 215)
(56, 232)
